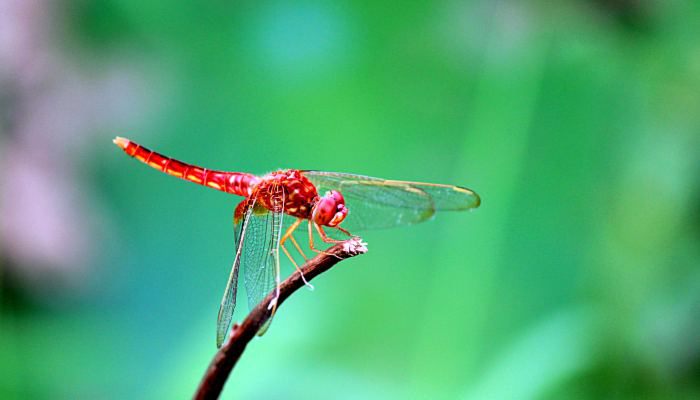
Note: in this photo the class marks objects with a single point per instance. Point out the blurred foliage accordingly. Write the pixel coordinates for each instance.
(577, 122)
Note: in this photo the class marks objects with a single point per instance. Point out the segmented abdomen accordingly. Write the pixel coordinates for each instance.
(229, 182)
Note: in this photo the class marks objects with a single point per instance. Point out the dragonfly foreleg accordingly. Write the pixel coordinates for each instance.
(311, 240)
(324, 236)
(345, 231)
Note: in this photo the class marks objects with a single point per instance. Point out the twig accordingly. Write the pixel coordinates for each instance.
(225, 359)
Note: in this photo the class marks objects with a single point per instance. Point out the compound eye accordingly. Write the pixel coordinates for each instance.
(330, 209)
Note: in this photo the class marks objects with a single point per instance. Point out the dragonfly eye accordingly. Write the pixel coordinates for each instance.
(330, 209)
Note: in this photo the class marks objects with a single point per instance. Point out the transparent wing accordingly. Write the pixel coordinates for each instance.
(260, 258)
(257, 234)
(228, 302)
(379, 203)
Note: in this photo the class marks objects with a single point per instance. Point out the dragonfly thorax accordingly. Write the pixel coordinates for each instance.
(299, 194)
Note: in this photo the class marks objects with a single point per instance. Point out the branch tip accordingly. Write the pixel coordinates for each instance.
(226, 357)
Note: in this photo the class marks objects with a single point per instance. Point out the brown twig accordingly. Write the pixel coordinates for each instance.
(225, 359)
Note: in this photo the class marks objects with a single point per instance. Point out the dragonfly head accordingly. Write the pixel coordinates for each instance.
(330, 209)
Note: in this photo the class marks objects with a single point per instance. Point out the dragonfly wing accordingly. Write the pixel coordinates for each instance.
(372, 204)
(379, 203)
(228, 302)
(260, 258)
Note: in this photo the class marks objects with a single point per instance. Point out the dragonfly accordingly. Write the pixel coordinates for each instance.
(275, 205)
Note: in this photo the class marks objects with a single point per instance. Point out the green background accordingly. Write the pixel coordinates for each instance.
(576, 121)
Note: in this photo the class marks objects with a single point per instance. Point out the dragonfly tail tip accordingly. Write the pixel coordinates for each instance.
(121, 142)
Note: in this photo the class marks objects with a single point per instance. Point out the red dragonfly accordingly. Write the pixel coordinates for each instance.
(354, 201)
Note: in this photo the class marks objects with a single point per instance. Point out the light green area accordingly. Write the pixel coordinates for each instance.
(577, 122)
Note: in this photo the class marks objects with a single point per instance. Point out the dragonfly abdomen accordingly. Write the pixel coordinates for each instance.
(230, 182)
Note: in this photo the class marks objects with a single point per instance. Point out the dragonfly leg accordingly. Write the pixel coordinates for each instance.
(311, 242)
(289, 235)
(345, 231)
(296, 244)
(325, 237)
(290, 230)
(286, 252)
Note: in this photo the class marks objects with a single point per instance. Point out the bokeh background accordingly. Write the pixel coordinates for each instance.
(577, 121)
